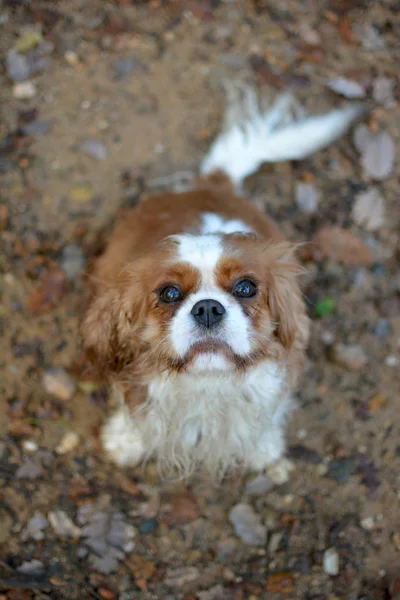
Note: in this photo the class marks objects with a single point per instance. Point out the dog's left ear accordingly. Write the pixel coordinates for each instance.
(111, 324)
(284, 295)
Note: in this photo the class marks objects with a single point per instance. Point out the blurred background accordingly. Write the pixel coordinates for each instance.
(102, 102)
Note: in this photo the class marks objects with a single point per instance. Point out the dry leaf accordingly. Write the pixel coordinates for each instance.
(282, 583)
(184, 510)
(48, 294)
(341, 245)
(369, 210)
(142, 570)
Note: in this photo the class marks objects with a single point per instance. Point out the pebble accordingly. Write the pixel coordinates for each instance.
(247, 525)
(35, 526)
(58, 383)
(30, 446)
(331, 562)
(391, 361)
(259, 486)
(123, 67)
(63, 526)
(181, 576)
(368, 523)
(215, 593)
(72, 261)
(148, 526)
(383, 328)
(31, 567)
(68, 442)
(341, 469)
(280, 471)
(274, 542)
(24, 90)
(307, 197)
(17, 66)
(350, 356)
(94, 148)
(37, 128)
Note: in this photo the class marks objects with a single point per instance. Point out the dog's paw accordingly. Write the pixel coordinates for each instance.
(122, 440)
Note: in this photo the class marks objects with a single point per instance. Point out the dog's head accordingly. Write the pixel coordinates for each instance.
(197, 304)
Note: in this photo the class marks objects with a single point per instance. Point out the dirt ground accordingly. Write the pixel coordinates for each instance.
(125, 95)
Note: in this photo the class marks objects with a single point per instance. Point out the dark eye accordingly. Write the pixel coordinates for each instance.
(170, 294)
(245, 288)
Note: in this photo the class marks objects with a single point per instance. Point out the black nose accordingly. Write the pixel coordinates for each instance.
(208, 312)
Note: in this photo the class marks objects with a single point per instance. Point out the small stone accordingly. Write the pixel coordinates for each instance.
(123, 67)
(148, 526)
(215, 593)
(59, 383)
(24, 90)
(37, 128)
(94, 148)
(35, 527)
(6, 524)
(274, 542)
(280, 471)
(259, 486)
(369, 210)
(226, 547)
(30, 469)
(378, 158)
(17, 66)
(72, 261)
(352, 357)
(179, 577)
(31, 567)
(331, 562)
(391, 361)
(247, 525)
(341, 469)
(382, 91)
(63, 526)
(30, 446)
(307, 197)
(69, 441)
(346, 87)
(368, 523)
(383, 328)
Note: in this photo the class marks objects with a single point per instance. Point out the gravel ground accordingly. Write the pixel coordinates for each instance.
(101, 102)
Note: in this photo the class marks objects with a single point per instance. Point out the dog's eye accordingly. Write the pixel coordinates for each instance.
(170, 294)
(245, 288)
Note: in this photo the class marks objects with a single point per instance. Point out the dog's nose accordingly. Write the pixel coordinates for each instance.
(208, 312)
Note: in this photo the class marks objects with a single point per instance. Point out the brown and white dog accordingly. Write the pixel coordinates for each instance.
(196, 315)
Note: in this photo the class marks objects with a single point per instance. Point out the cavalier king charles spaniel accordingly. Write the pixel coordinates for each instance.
(195, 312)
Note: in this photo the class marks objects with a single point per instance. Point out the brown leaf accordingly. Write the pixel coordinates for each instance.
(127, 485)
(282, 583)
(341, 245)
(346, 31)
(142, 570)
(48, 294)
(184, 510)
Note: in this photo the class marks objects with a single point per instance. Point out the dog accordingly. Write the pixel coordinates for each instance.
(196, 316)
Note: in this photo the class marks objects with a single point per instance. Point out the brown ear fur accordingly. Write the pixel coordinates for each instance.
(284, 296)
(110, 325)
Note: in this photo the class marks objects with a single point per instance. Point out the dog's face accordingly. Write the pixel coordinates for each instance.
(199, 303)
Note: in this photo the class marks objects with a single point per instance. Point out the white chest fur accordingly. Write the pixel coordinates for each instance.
(216, 420)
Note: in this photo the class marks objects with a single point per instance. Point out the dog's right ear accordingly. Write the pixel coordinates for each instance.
(110, 326)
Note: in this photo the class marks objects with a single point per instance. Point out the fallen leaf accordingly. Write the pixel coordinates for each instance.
(378, 156)
(282, 583)
(341, 245)
(346, 87)
(369, 210)
(184, 510)
(377, 402)
(48, 294)
(142, 570)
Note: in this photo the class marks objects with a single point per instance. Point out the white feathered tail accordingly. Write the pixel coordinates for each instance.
(254, 134)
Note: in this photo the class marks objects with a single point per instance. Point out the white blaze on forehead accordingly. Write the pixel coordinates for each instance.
(201, 251)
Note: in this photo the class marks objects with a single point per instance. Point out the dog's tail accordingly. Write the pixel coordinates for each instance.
(254, 133)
